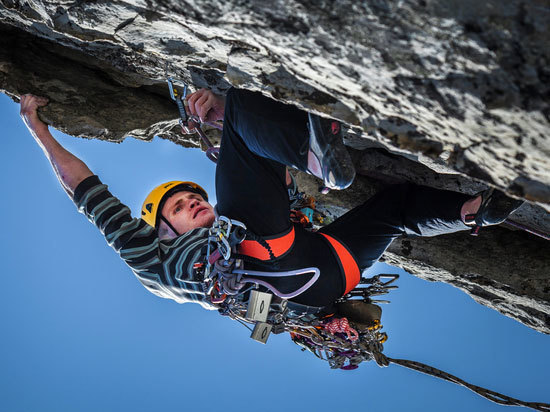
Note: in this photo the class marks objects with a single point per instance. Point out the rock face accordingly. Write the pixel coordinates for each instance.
(452, 94)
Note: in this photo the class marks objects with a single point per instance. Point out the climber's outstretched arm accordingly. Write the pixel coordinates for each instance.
(70, 170)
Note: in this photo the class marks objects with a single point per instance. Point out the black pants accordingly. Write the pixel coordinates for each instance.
(260, 138)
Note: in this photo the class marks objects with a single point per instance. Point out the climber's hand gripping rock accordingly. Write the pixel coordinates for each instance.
(28, 112)
(206, 105)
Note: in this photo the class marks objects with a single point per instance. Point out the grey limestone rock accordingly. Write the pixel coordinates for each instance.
(451, 94)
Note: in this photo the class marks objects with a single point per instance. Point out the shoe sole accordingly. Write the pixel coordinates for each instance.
(326, 143)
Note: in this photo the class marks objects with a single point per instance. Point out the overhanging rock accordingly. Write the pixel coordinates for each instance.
(452, 94)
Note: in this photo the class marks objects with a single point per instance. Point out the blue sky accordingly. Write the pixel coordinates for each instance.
(79, 332)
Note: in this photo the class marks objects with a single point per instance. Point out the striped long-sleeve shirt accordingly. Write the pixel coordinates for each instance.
(164, 267)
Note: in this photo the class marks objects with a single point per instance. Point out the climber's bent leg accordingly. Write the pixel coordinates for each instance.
(268, 128)
(260, 137)
(398, 210)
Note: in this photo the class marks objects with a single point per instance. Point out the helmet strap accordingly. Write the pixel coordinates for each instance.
(169, 224)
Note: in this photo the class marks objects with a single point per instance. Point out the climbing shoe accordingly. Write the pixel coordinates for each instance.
(326, 144)
(495, 208)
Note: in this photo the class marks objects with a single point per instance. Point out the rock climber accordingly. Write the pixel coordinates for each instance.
(260, 138)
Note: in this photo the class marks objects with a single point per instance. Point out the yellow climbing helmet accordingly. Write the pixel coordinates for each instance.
(155, 200)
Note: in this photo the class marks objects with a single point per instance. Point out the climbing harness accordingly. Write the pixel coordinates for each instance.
(237, 291)
(224, 272)
(212, 152)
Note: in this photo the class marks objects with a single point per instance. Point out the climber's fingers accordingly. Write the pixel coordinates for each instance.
(28, 112)
(192, 100)
(203, 105)
(30, 103)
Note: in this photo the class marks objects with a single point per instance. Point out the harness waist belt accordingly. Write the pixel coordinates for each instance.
(347, 262)
(279, 245)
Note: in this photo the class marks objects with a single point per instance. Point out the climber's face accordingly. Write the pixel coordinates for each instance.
(187, 211)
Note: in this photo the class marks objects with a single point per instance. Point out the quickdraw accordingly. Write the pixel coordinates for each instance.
(212, 152)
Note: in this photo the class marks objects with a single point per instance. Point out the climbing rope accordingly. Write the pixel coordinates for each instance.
(486, 393)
